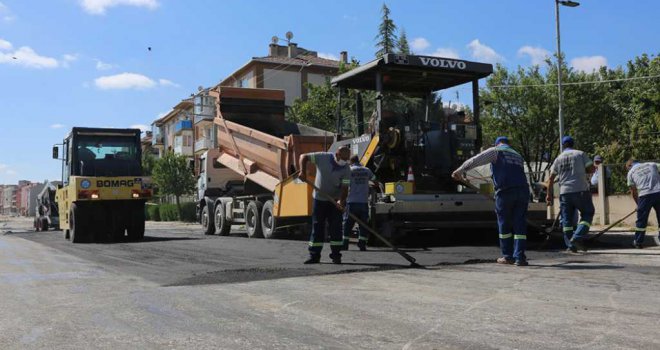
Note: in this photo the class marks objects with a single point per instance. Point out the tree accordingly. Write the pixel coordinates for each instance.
(148, 162)
(402, 44)
(173, 176)
(386, 38)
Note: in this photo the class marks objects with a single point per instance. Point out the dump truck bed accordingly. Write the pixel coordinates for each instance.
(263, 147)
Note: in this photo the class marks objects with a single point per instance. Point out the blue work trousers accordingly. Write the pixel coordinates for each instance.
(644, 206)
(361, 211)
(324, 212)
(568, 203)
(511, 209)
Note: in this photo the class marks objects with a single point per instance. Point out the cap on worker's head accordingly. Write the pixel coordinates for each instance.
(501, 139)
(567, 140)
(598, 159)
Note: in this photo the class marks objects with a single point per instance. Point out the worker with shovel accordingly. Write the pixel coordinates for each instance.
(358, 203)
(570, 169)
(644, 182)
(332, 178)
(511, 197)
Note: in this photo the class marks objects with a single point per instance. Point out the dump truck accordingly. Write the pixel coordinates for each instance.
(248, 179)
(412, 147)
(47, 214)
(103, 189)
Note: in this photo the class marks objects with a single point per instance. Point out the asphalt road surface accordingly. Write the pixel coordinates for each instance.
(179, 289)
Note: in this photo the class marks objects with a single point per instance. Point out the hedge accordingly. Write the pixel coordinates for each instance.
(153, 214)
(169, 212)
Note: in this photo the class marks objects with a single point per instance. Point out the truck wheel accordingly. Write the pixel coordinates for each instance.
(136, 225)
(76, 224)
(207, 221)
(268, 224)
(222, 225)
(253, 219)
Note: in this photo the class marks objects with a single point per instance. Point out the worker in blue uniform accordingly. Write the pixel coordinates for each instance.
(511, 197)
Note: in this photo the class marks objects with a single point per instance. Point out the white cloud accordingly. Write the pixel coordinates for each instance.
(68, 58)
(27, 57)
(4, 168)
(328, 56)
(57, 126)
(5, 45)
(142, 127)
(100, 65)
(5, 13)
(99, 7)
(165, 82)
(483, 52)
(588, 63)
(10, 172)
(536, 54)
(445, 52)
(419, 44)
(124, 81)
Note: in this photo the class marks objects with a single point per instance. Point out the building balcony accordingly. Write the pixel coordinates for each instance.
(158, 140)
(183, 150)
(182, 125)
(203, 118)
(203, 144)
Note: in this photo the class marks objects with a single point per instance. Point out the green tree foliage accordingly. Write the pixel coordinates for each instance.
(172, 176)
(148, 163)
(386, 39)
(618, 120)
(402, 45)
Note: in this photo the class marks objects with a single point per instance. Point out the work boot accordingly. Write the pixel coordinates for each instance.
(521, 262)
(505, 261)
(336, 258)
(313, 259)
(579, 244)
(637, 245)
(362, 245)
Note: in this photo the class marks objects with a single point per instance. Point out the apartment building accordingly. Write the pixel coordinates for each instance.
(9, 200)
(289, 68)
(174, 131)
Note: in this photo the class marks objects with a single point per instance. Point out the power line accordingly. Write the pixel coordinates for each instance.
(574, 83)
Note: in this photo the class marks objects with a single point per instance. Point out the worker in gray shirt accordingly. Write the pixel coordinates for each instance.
(570, 169)
(357, 202)
(644, 182)
(332, 178)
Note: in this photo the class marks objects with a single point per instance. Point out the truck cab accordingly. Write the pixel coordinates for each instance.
(215, 179)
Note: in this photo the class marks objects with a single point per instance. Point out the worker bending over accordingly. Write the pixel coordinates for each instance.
(511, 197)
(570, 169)
(358, 202)
(332, 178)
(644, 182)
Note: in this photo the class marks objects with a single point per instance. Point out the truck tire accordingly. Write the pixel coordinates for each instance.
(253, 219)
(136, 225)
(222, 225)
(207, 221)
(78, 230)
(268, 223)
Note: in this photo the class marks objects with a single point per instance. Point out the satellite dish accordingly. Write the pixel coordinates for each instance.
(274, 39)
(289, 35)
(200, 88)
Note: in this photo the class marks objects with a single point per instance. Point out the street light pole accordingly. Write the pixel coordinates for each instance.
(559, 65)
(559, 87)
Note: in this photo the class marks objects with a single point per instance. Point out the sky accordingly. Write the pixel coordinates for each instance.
(67, 63)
